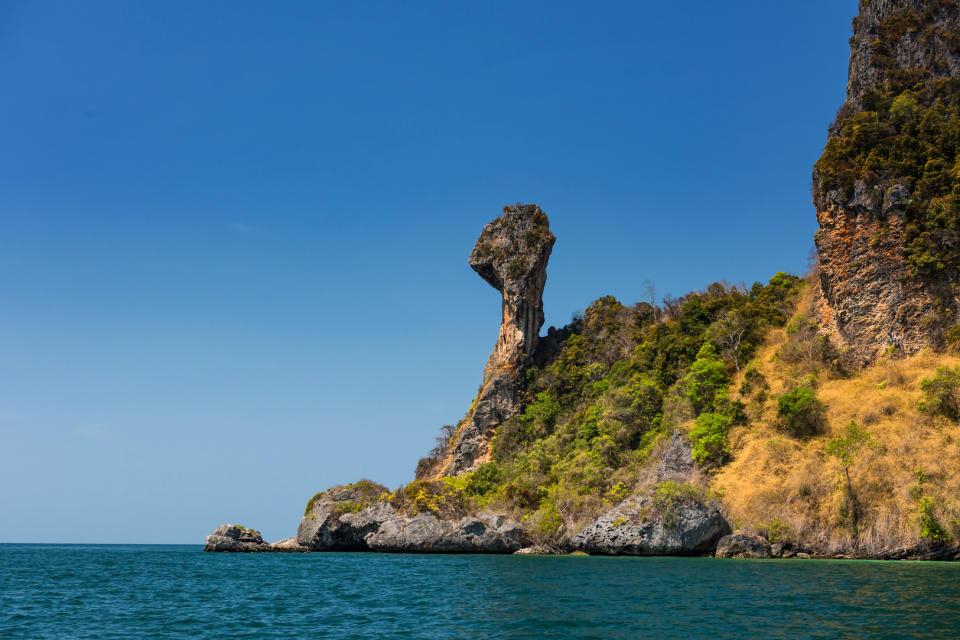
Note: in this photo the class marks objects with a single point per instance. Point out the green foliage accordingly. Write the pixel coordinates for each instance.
(708, 379)
(312, 502)
(349, 506)
(941, 393)
(776, 530)
(594, 408)
(669, 496)
(544, 523)
(801, 412)
(908, 133)
(754, 383)
(846, 446)
(617, 493)
(930, 526)
(483, 480)
(709, 438)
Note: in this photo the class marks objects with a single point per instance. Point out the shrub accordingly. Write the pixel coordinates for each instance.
(312, 501)
(709, 438)
(930, 527)
(801, 413)
(941, 393)
(484, 479)
(669, 496)
(707, 379)
(545, 522)
(754, 382)
(776, 530)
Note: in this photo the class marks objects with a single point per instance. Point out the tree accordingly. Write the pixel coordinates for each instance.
(651, 297)
(707, 379)
(728, 332)
(845, 448)
(800, 411)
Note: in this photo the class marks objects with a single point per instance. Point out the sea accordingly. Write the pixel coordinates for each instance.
(177, 591)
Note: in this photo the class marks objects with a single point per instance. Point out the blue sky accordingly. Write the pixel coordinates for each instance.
(235, 234)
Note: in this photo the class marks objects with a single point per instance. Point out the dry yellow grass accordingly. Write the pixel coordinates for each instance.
(775, 477)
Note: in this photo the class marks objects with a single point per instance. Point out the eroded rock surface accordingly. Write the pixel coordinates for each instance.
(642, 527)
(240, 539)
(677, 463)
(332, 525)
(868, 297)
(340, 518)
(743, 545)
(511, 254)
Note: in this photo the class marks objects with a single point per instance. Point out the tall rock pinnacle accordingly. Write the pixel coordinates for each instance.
(887, 187)
(511, 254)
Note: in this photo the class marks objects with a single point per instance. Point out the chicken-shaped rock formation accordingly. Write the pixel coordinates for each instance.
(887, 188)
(511, 254)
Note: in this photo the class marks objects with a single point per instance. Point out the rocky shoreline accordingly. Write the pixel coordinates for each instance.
(475, 535)
(673, 516)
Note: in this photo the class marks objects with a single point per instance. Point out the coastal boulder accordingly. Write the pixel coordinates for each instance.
(743, 545)
(425, 533)
(340, 518)
(672, 520)
(235, 537)
(356, 518)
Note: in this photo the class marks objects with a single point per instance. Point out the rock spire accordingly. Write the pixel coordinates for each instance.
(511, 254)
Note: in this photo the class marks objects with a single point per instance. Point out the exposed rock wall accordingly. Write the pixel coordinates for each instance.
(869, 296)
(511, 254)
(330, 524)
(640, 526)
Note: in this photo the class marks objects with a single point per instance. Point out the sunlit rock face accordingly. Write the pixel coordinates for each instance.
(876, 288)
(511, 254)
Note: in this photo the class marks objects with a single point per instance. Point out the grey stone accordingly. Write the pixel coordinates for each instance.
(234, 538)
(636, 527)
(677, 462)
(743, 545)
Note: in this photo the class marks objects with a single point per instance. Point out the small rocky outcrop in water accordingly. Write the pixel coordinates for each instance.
(351, 519)
(237, 538)
(511, 254)
(744, 545)
(674, 520)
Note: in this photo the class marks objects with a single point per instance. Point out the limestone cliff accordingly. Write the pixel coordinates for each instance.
(511, 254)
(886, 188)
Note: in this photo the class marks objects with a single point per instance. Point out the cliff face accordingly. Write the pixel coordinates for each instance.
(511, 254)
(886, 188)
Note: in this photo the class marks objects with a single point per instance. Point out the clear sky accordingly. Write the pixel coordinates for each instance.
(235, 234)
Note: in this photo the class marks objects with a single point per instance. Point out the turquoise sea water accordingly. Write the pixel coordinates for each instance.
(176, 591)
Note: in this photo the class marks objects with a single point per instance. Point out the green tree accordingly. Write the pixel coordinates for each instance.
(801, 412)
(707, 379)
(941, 393)
(845, 448)
(709, 438)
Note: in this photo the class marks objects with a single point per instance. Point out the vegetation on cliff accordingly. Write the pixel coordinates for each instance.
(621, 378)
(797, 444)
(879, 471)
(907, 132)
